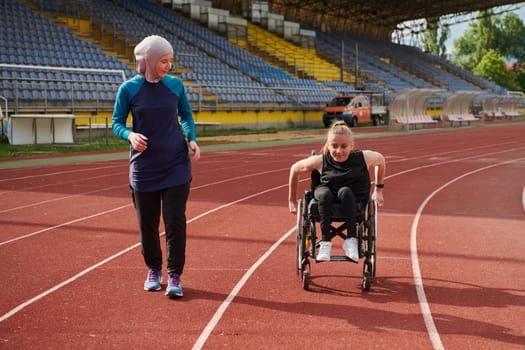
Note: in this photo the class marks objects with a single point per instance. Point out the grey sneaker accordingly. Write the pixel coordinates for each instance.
(174, 288)
(153, 280)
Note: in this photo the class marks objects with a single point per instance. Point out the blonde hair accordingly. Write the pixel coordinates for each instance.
(338, 127)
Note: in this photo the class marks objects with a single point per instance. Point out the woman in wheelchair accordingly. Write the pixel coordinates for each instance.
(345, 177)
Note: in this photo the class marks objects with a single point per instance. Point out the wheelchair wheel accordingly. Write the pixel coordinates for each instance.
(369, 265)
(304, 244)
(372, 236)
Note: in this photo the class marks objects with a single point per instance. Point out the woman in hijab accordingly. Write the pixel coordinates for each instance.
(160, 165)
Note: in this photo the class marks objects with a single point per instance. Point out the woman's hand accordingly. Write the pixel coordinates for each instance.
(196, 150)
(378, 196)
(291, 206)
(138, 141)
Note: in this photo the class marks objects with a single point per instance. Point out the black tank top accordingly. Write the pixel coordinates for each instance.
(352, 173)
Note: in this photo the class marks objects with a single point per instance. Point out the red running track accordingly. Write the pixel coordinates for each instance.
(449, 269)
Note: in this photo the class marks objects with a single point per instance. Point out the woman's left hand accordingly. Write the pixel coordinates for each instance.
(378, 196)
(196, 150)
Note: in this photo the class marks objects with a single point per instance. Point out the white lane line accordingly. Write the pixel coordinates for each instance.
(523, 199)
(32, 176)
(55, 199)
(62, 225)
(226, 303)
(416, 271)
(449, 162)
(91, 268)
(64, 283)
(128, 205)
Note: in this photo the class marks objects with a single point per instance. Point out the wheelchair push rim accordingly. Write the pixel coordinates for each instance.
(298, 235)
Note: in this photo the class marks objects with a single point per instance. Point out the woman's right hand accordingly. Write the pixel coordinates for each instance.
(138, 141)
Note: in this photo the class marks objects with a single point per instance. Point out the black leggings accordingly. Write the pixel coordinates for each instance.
(148, 207)
(326, 198)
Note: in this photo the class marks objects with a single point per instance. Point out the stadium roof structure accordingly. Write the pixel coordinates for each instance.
(372, 18)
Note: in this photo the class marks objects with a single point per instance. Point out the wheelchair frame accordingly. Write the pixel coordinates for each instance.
(308, 243)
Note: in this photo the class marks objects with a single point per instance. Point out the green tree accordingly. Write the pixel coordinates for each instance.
(434, 38)
(492, 67)
(513, 34)
(464, 48)
(481, 36)
(520, 79)
(490, 32)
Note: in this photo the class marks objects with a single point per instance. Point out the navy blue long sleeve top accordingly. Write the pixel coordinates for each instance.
(155, 109)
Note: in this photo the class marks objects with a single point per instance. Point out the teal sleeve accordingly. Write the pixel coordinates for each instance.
(184, 110)
(120, 113)
(122, 108)
(186, 117)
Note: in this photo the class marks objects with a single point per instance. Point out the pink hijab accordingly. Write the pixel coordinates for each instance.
(148, 53)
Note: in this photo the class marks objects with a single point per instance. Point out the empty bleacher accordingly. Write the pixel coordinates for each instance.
(45, 63)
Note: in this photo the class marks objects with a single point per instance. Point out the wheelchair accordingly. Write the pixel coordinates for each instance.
(308, 243)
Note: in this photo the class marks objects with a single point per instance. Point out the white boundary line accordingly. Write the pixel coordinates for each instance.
(418, 280)
(523, 199)
(115, 209)
(226, 303)
(63, 224)
(91, 268)
(64, 283)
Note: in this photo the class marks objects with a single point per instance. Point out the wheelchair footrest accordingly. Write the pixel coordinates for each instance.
(338, 258)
